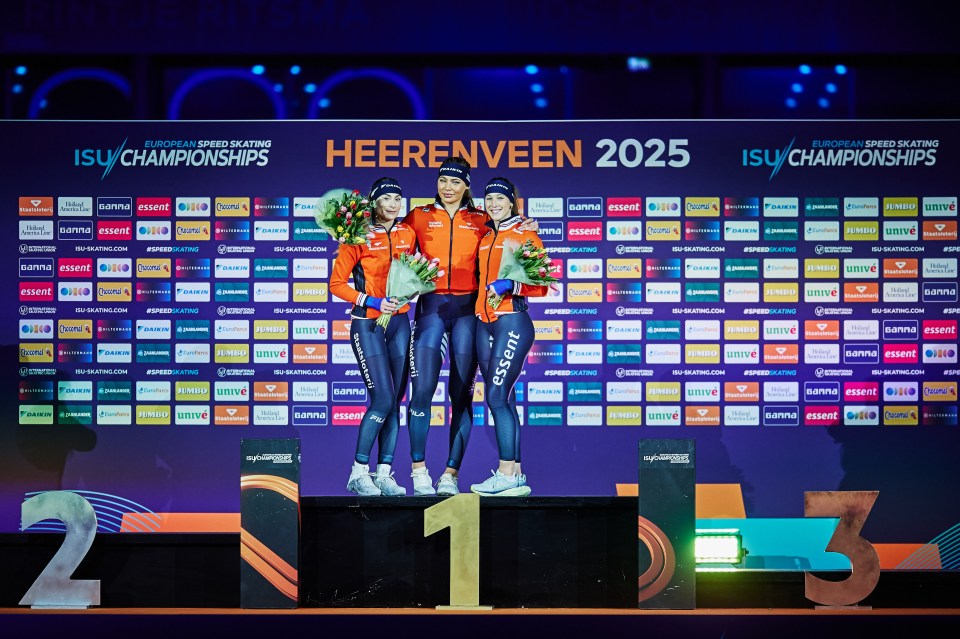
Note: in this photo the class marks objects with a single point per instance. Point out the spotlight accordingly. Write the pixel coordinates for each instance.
(310, 88)
(840, 69)
(791, 103)
(257, 69)
(796, 87)
(718, 548)
(532, 69)
(20, 70)
(536, 87)
(541, 103)
(295, 69)
(805, 69)
(831, 87)
(824, 103)
(324, 103)
(635, 63)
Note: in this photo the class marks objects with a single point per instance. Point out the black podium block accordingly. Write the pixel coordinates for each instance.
(547, 552)
(269, 523)
(667, 524)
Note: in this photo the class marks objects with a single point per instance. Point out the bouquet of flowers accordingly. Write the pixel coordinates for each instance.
(526, 264)
(410, 275)
(345, 216)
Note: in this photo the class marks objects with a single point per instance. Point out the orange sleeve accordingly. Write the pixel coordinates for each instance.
(347, 257)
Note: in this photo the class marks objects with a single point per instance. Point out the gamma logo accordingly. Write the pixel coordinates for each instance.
(106, 158)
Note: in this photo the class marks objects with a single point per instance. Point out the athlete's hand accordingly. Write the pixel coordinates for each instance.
(499, 287)
(529, 224)
(390, 305)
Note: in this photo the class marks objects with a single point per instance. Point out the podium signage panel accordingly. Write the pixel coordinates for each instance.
(667, 524)
(269, 523)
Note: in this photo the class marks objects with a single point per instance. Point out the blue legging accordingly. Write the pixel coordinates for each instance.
(383, 366)
(502, 347)
(443, 321)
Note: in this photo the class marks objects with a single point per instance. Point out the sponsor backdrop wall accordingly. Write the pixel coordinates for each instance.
(785, 293)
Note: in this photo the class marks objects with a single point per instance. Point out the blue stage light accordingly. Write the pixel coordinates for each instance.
(536, 87)
(20, 70)
(257, 69)
(295, 69)
(791, 103)
(324, 103)
(805, 69)
(310, 87)
(541, 103)
(796, 87)
(840, 69)
(831, 87)
(532, 69)
(278, 88)
(823, 102)
(17, 88)
(635, 63)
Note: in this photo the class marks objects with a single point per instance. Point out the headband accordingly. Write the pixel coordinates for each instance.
(457, 170)
(383, 188)
(500, 186)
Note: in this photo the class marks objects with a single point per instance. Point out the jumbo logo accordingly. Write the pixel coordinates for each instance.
(861, 231)
(820, 268)
(741, 329)
(901, 207)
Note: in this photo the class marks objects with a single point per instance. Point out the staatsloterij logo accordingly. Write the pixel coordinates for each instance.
(768, 157)
(106, 158)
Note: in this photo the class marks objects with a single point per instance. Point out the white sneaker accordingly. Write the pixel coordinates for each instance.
(447, 485)
(386, 483)
(360, 481)
(522, 490)
(500, 485)
(422, 484)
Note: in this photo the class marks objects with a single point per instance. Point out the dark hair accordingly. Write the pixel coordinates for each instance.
(467, 199)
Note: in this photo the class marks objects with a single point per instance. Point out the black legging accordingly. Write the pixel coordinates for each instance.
(502, 348)
(443, 321)
(383, 366)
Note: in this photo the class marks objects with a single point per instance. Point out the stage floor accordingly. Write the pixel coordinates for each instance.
(535, 622)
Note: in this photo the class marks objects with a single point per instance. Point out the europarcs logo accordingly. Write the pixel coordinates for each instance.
(176, 153)
(843, 153)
